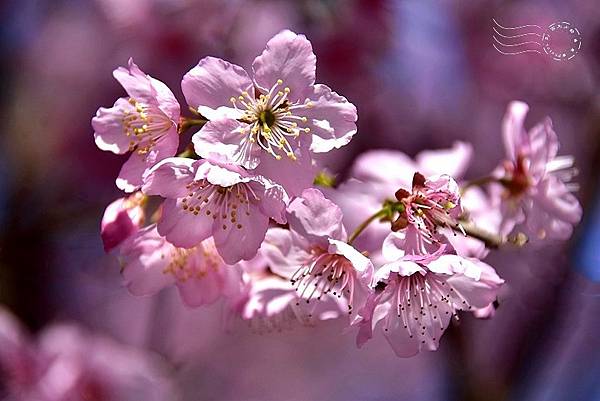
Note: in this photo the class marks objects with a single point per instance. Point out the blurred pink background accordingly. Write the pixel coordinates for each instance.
(422, 75)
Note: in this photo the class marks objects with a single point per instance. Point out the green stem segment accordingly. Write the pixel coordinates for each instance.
(381, 213)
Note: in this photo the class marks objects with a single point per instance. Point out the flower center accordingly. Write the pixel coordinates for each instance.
(425, 211)
(323, 274)
(517, 181)
(145, 125)
(216, 202)
(272, 120)
(267, 117)
(422, 301)
(182, 264)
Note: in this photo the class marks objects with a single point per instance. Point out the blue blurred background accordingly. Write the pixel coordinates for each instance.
(423, 73)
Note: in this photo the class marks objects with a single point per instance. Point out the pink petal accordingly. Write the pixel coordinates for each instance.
(454, 264)
(477, 293)
(543, 147)
(332, 120)
(273, 199)
(453, 161)
(402, 344)
(182, 228)
(285, 251)
(557, 201)
(136, 83)
(119, 222)
(235, 244)
(222, 174)
(165, 147)
(145, 262)
(360, 262)
(209, 86)
(385, 166)
(223, 139)
(513, 132)
(293, 175)
(202, 291)
(130, 176)
(552, 211)
(393, 245)
(166, 99)
(288, 57)
(486, 312)
(402, 267)
(109, 133)
(316, 217)
(366, 319)
(169, 177)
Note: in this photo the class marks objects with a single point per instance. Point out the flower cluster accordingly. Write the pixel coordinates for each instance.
(397, 247)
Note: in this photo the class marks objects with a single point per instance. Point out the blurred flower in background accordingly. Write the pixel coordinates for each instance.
(422, 74)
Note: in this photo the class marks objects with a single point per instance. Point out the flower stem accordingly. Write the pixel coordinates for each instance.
(493, 241)
(186, 122)
(365, 224)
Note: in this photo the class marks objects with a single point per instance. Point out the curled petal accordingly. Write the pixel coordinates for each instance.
(360, 262)
(108, 127)
(333, 120)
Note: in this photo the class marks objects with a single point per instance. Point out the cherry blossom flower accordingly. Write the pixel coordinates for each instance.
(415, 296)
(207, 198)
(274, 121)
(144, 124)
(122, 218)
(270, 303)
(378, 174)
(434, 203)
(151, 263)
(66, 363)
(313, 253)
(535, 181)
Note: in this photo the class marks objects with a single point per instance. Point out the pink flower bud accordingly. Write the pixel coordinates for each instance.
(122, 218)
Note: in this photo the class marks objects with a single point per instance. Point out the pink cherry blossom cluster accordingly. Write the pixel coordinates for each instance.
(398, 247)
